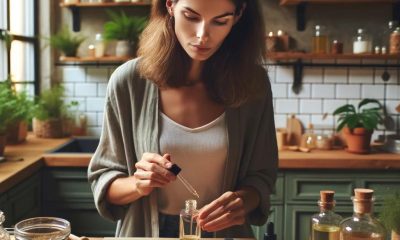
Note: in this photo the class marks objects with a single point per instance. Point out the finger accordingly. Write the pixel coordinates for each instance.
(156, 168)
(223, 200)
(231, 206)
(156, 158)
(145, 175)
(235, 221)
(227, 219)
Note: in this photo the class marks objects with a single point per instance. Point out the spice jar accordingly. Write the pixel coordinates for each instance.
(395, 41)
(272, 42)
(361, 42)
(323, 142)
(320, 40)
(336, 47)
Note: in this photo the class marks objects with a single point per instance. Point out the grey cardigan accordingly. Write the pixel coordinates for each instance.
(131, 128)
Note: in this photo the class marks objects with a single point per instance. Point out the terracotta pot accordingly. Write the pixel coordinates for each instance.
(395, 236)
(358, 140)
(51, 128)
(16, 133)
(2, 144)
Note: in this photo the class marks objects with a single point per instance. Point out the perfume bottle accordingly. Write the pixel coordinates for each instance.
(362, 225)
(3, 233)
(188, 227)
(325, 225)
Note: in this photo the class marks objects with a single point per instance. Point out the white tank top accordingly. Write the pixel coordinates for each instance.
(201, 153)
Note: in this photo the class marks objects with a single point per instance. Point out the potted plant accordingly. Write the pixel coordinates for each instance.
(7, 113)
(49, 113)
(390, 215)
(66, 42)
(125, 29)
(359, 124)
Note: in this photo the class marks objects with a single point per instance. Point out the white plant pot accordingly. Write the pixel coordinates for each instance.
(123, 49)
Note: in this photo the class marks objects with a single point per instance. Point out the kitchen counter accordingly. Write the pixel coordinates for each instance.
(34, 155)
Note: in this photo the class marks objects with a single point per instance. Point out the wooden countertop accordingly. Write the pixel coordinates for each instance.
(34, 155)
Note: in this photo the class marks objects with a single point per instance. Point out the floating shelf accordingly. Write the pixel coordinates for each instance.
(108, 60)
(75, 9)
(297, 2)
(311, 56)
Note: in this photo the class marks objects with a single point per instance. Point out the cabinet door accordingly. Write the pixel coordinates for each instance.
(276, 216)
(297, 219)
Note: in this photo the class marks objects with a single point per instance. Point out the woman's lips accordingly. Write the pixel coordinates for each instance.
(200, 48)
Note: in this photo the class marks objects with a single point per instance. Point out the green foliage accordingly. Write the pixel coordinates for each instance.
(368, 118)
(50, 104)
(390, 215)
(64, 41)
(123, 27)
(7, 37)
(8, 106)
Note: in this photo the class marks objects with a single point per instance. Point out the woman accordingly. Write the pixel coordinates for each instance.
(196, 97)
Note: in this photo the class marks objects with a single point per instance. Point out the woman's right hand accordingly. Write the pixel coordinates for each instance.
(151, 172)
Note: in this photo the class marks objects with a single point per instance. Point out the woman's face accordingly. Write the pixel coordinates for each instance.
(202, 25)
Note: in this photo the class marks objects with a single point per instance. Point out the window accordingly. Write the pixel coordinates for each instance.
(18, 19)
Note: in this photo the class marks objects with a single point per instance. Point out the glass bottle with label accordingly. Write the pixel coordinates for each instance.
(3, 233)
(320, 40)
(325, 225)
(362, 42)
(362, 225)
(188, 227)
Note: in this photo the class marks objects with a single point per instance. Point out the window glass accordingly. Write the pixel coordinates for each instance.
(22, 61)
(22, 15)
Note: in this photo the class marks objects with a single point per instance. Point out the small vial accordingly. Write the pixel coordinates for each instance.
(383, 50)
(377, 50)
(99, 46)
(188, 227)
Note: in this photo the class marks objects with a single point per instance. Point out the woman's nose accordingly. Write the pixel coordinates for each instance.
(202, 33)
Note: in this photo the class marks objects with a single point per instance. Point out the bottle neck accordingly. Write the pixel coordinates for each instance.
(363, 207)
(190, 205)
(326, 206)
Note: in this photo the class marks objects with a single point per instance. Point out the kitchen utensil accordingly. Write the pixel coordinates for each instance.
(294, 130)
(39, 228)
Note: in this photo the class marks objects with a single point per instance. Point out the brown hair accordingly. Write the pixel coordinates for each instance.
(232, 75)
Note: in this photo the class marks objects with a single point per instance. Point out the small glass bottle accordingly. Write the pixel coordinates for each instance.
(395, 41)
(391, 26)
(320, 40)
(3, 233)
(362, 225)
(188, 227)
(99, 46)
(325, 225)
(309, 139)
(362, 42)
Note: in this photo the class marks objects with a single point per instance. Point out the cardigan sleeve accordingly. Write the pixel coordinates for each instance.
(109, 160)
(263, 163)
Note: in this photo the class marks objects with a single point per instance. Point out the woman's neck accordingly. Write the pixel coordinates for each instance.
(195, 71)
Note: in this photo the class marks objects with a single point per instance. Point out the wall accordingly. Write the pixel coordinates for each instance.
(324, 88)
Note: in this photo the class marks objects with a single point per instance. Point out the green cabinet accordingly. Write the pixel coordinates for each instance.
(67, 194)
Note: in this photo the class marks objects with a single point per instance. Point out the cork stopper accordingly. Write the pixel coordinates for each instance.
(363, 200)
(326, 199)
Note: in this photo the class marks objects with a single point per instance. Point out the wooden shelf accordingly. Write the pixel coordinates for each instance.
(92, 60)
(297, 2)
(106, 4)
(310, 56)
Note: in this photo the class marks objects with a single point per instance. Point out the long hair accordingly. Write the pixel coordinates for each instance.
(232, 75)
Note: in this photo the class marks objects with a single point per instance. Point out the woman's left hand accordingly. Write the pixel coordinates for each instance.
(226, 211)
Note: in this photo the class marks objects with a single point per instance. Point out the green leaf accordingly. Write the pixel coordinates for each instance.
(344, 109)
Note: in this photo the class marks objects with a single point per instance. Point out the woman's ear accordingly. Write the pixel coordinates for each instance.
(240, 13)
(169, 5)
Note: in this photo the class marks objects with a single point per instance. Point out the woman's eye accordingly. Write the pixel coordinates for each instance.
(221, 23)
(190, 17)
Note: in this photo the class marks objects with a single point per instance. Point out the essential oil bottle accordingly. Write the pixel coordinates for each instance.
(188, 226)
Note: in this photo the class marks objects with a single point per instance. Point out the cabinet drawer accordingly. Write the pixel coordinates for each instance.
(382, 187)
(66, 185)
(306, 187)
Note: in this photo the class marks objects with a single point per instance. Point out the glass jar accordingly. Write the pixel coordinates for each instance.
(362, 42)
(336, 47)
(308, 139)
(323, 142)
(42, 228)
(188, 227)
(362, 225)
(3, 233)
(320, 40)
(325, 225)
(395, 41)
(99, 46)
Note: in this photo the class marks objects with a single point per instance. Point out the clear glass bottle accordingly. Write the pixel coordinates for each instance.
(362, 42)
(308, 140)
(391, 26)
(325, 225)
(362, 225)
(99, 46)
(188, 227)
(3, 233)
(320, 40)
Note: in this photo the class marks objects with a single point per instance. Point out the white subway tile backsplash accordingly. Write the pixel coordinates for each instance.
(335, 75)
(69, 89)
(372, 91)
(361, 75)
(323, 91)
(320, 123)
(100, 116)
(86, 90)
(91, 119)
(279, 90)
(304, 93)
(284, 74)
(312, 75)
(280, 120)
(101, 89)
(71, 74)
(286, 106)
(393, 74)
(393, 92)
(310, 106)
(97, 75)
(95, 104)
(304, 119)
(348, 91)
(330, 105)
(271, 71)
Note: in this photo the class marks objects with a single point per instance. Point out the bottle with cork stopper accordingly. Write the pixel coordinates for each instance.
(325, 225)
(362, 225)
